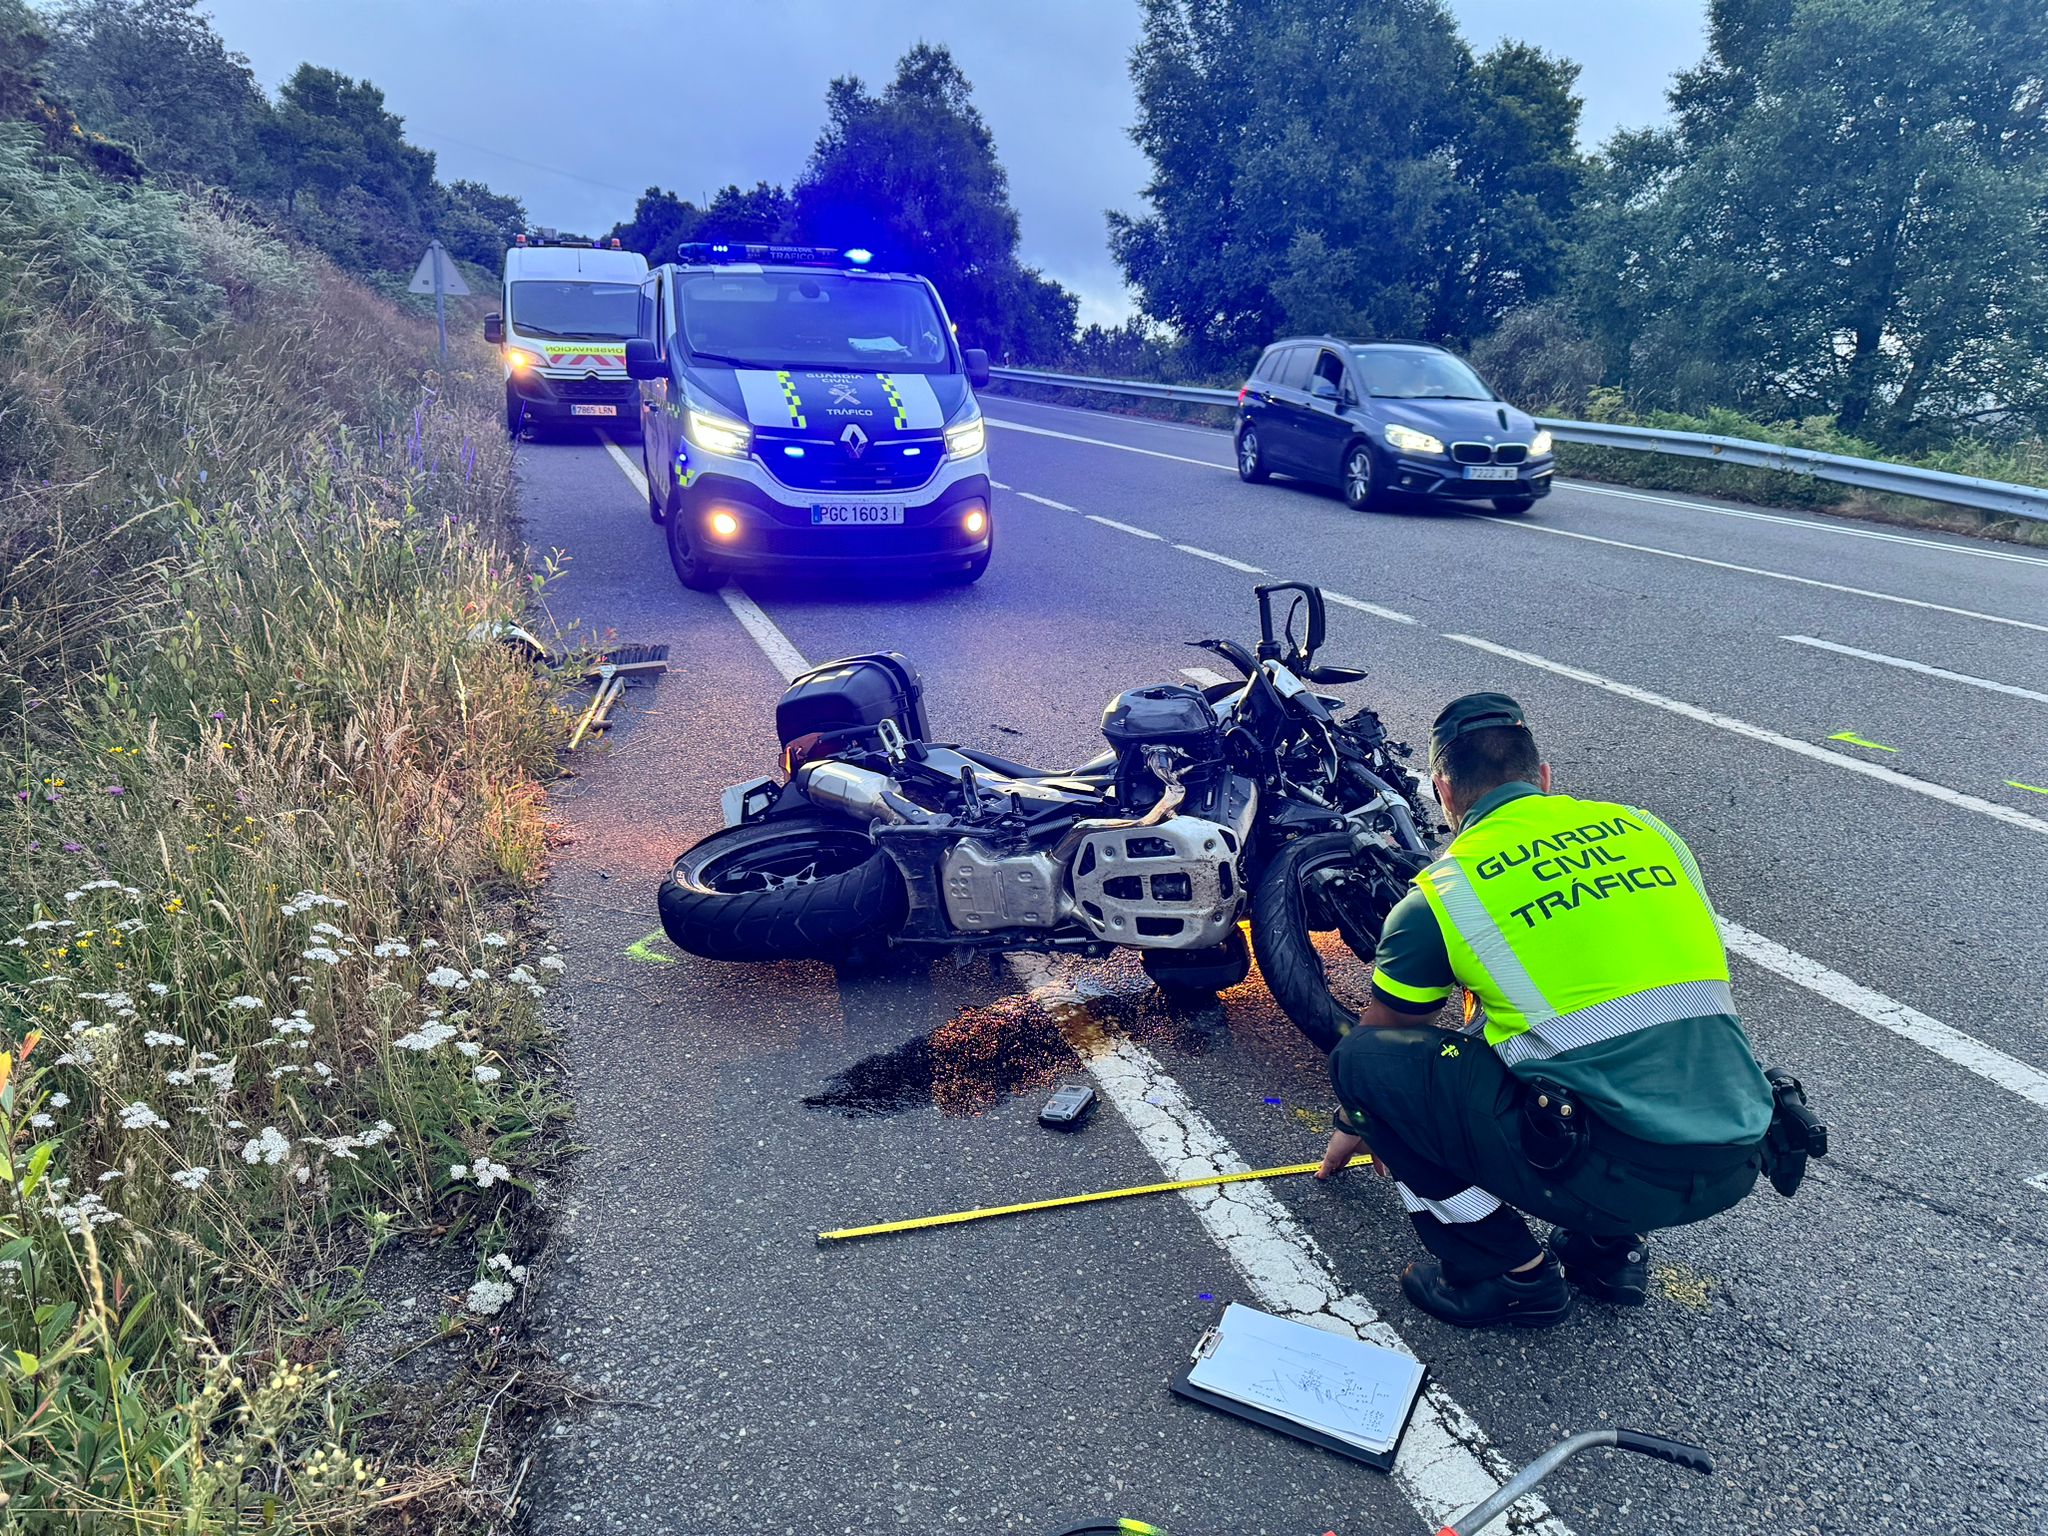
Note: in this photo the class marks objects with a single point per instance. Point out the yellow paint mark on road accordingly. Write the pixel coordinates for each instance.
(2032, 789)
(1684, 1285)
(638, 950)
(1857, 741)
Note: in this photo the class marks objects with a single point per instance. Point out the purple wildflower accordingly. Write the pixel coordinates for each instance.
(74, 848)
(115, 789)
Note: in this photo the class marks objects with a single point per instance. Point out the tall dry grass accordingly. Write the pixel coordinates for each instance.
(267, 796)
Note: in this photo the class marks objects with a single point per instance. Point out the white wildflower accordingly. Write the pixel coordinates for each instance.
(110, 1175)
(470, 1049)
(330, 930)
(322, 1071)
(487, 1074)
(140, 1117)
(161, 1037)
(426, 1037)
(485, 1172)
(160, 990)
(479, 974)
(17, 942)
(443, 976)
(323, 954)
(488, 1297)
(392, 949)
(494, 941)
(190, 1178)
(245, 1001)
(383, 1130)
(59, 1100)
(522, 976)
(302, 1173)
(40, 1122)
(430, 943)
(268, 1146)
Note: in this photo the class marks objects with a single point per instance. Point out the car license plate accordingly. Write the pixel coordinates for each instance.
(593, 410)
(855, 514)
(1490, 471)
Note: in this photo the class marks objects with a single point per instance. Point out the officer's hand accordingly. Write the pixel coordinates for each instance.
(1343, 1147)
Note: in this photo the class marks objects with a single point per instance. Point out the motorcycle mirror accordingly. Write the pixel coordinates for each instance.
(1331, 677)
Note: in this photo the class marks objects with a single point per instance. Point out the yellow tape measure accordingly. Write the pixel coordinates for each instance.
(953, 1218)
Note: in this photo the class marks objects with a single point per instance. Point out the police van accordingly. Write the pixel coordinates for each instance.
(569, 307)
(800, 408)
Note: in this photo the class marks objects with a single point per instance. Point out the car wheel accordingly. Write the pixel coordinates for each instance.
(654, 509)
(1361, 484)
(694, 568)
(1251, 457)
(1513, 506)
(515, 414)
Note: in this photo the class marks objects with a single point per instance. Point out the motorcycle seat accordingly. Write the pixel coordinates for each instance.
(1094, 773)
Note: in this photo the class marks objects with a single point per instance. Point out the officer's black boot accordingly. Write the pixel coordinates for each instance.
(1615, 1270)
(1534, 1299)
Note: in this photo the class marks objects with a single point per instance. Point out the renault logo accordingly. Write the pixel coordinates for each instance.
(853, 440)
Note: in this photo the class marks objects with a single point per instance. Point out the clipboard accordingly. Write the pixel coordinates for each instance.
(1380, 1461)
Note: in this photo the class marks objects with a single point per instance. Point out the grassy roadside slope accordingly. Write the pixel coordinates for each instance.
(268, 807)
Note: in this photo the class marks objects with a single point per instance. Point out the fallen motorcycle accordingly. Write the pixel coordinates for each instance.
(1248, 800)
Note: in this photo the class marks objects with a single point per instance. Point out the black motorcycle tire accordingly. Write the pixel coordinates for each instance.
(843, 913)
(1280, 938)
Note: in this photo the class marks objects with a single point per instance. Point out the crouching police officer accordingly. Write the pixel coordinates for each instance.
(1613, 1091)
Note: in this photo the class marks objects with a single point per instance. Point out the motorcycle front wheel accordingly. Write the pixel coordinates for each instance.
(791, 888)
(1282, 939)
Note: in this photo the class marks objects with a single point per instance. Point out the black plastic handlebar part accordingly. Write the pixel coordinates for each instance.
(1677, 1452)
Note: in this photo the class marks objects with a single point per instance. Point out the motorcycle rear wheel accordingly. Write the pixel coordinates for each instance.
(1294, 972)
(791, 888)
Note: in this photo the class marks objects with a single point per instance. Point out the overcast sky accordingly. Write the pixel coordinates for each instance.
(576, 108)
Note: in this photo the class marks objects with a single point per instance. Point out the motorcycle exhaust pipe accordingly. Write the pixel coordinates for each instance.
(857, 791)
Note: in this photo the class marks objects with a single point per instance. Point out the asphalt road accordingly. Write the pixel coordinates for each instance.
(1867, 1357)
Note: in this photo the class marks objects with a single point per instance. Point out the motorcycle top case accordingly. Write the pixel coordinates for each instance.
(1168, 715)
(849, 698)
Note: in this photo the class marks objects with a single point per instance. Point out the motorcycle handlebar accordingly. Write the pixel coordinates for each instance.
(1318, 620)
(1678, 1452)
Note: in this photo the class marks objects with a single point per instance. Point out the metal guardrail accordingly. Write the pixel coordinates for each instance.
(1995, 496)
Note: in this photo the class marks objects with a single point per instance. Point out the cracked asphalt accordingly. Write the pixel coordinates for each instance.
(1867, 1357)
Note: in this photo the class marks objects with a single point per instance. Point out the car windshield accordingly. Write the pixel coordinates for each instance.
(1403, 373)
(813, 319)
(586, 311)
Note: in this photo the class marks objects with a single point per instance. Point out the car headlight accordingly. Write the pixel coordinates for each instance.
(520, 359)
(1408, 440)
(1540, 444)
(717, 434)
(964, 439)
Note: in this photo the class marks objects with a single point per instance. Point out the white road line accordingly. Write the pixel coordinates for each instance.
(1933, 791)
(1203, 677)
(619, 458)
(1816, 526)
(1141, 421)
(998, 485)
(1994, 1066)
(1210, 554)
(788, 660)
(2038, 1181)
(1362, 606)
(1446, 1464)
(1110, 522)
(1752, 570)
(1103, 442)
(1047, 501)
(1918, 666)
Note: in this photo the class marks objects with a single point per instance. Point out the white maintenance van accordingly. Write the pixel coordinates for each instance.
(569, 307)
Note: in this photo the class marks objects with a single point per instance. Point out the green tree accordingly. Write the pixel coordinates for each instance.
(912, 174)
(1341, 165)
(1849, 215)
(331, 134)
(154, 73)
(759, 212)
(476, 224)
(661, 221)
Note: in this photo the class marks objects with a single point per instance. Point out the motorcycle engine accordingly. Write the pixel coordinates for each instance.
(1175, 884)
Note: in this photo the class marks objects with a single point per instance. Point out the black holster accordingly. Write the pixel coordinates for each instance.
(1796, 1133)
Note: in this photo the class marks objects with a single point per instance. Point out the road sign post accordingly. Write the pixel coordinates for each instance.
(437, 275)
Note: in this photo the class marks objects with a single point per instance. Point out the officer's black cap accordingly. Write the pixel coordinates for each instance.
(1472, 712)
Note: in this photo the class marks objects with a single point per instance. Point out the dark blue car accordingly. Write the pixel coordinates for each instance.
(1381, 420)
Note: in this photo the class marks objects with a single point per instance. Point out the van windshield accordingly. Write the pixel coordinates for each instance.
(585, 311)
(812, 320)
(1405, 373)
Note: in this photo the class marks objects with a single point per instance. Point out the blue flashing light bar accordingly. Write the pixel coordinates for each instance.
(723, 252)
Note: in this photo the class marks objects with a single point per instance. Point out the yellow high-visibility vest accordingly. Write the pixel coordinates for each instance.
(1574, 922)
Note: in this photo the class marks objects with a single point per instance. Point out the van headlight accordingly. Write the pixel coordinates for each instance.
(1408, 440)
(1540, 444)
(520, 359)
(964, 439)
(717, 434)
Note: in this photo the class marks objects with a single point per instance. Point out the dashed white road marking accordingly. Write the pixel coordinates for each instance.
(1807, 749)
(2038, 1181)
(1993, 1065)
(1103, 442)
(1110, 522)
(775, 645)
(1445, 1464)
(1203, 677)
(1918, 666)
(997, 485)
(1047, 501)
(1210, 554)
(1754, 570)
(1834, 529)
(1345, 601)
